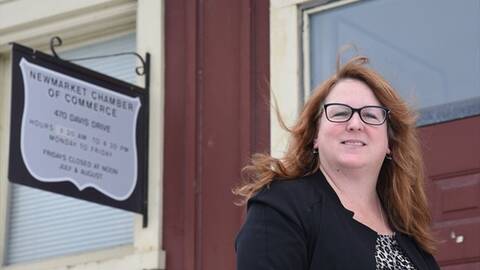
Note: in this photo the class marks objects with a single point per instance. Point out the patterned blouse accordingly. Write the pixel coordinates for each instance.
(389, 255)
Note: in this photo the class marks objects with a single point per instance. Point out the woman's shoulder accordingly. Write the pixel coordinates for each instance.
(295, 194)
(278, 228)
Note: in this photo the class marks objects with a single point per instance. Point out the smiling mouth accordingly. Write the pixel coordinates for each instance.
(354, 143)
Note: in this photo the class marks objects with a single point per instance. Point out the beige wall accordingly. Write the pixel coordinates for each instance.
(284, 68)
(32, 23)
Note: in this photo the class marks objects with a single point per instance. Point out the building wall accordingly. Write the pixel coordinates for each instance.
(210, 117)
(80, 23)
(216, 68)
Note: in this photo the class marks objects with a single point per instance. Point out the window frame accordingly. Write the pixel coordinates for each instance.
(307, 10)
(289, 55)
(427, 116)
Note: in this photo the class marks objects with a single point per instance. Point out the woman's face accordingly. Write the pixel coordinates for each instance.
(352, 144)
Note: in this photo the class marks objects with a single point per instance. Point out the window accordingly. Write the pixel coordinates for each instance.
(433, 63)
(43, 224)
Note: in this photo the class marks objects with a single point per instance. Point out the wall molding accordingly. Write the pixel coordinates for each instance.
(73, 21)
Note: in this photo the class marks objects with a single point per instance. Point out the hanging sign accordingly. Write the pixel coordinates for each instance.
(77, 132)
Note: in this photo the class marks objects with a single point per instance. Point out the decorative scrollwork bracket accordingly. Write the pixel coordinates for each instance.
(143, 70)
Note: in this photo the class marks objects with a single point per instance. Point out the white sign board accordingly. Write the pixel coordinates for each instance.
(77, 131)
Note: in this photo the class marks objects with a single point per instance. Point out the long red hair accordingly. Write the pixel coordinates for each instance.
(401, 180)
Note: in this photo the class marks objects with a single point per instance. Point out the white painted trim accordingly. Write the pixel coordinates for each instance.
(74, 261)
(5, 98)
(150, 38)
(307, 87)
(306, 55)
(123, 257)
(328, 6)
(16, 13)
(290, 61)
(284, 72)
(75, 21)
(80, 23)
(277, 4)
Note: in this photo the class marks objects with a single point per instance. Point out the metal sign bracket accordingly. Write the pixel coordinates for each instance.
(143, 70)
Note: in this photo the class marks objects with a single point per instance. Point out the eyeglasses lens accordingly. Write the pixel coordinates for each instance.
(373, 115)
(338, 113)
(369, 115)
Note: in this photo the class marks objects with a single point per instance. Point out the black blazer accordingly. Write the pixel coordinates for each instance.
(301, 224)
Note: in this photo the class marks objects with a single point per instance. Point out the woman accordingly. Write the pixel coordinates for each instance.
(348, 194)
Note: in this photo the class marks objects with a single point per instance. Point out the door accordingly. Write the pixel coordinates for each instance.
(452, 159)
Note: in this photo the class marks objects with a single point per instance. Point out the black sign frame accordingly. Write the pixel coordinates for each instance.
(137, 202)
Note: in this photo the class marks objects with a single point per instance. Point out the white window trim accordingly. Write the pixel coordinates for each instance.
(284, 69)
(289, 62)
(81, 22)
(5, 97)
(307, 13)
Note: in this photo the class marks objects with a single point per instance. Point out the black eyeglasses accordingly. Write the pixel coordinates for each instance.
(372, 115)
